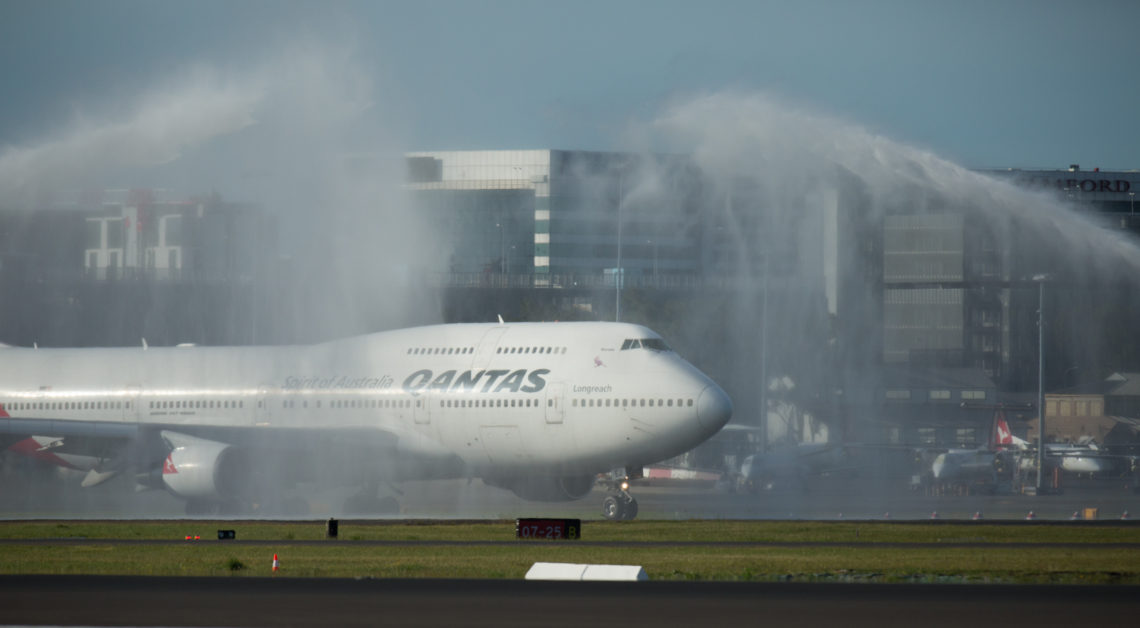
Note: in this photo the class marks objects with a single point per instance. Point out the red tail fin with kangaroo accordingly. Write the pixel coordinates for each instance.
(1002, 436)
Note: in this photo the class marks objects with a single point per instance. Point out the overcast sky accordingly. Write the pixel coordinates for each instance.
(985, 83)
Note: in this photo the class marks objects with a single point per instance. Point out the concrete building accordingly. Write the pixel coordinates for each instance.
(111, 267)
(555, 214)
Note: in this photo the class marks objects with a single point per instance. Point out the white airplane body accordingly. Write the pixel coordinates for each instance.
(1079, 458)
(792, 464)
(981, 464)
(539, 408)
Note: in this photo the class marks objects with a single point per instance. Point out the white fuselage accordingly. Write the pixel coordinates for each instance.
(561, 398)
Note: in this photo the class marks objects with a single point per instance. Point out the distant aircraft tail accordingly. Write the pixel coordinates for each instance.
(1002, 437)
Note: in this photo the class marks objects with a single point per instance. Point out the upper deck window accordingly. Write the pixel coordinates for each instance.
(653, 344)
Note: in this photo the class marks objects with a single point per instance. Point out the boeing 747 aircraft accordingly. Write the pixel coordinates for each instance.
(540, 409)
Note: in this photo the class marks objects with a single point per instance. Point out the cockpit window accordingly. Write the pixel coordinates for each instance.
(653, 344)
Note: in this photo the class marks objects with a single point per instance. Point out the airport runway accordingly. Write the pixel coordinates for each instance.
(38, 492)
(106, 601)
(57, 498)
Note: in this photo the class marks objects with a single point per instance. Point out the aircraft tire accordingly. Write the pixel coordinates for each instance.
(629, 513)
(613, 508)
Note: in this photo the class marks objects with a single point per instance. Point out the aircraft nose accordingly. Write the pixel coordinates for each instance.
(714, 408)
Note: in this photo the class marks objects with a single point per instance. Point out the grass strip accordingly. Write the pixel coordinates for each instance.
(655, 531)
(869, 557)
(1013, 565)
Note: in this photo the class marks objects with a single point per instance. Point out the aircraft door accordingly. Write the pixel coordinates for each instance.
(261, 413)
(421, 409)
(554, 401)
(132, 406)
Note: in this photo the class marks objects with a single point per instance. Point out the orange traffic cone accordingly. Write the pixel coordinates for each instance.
(275, 564)
(1124, 516)
(977, 515)
(1076, 515)
(1031, 516)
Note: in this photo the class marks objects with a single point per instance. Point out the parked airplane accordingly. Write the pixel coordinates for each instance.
(540, 409)
(981, 466)
(789, 465)
(997, 457)
(1084, 456)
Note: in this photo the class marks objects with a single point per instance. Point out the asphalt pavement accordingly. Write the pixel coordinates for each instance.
(243, 601)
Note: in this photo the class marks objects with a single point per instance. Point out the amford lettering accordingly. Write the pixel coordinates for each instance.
(483, 381)
(1118, 186)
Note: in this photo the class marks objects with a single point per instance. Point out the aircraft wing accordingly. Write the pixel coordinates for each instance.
(243, 436)
(105, 448)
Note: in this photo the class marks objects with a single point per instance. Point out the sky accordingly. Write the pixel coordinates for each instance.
(986, 84)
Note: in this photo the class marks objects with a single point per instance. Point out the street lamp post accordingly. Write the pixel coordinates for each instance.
(1040, 279)
(654, 243)
(618, 275)
(502, 247)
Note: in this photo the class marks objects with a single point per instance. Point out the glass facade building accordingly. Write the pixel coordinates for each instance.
(924, 282)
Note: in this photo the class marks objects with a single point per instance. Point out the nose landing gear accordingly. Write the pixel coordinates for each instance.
(619, 505)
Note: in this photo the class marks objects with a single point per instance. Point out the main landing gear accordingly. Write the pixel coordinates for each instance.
(619, 505)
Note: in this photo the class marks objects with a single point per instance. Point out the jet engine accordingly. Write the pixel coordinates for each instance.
(204, 469)
(546, 488)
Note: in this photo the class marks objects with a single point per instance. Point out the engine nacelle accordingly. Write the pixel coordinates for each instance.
(204, 469)
(546, 488)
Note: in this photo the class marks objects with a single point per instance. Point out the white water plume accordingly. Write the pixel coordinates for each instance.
(166, 124)
(791, 151)
(303, 130)
(799, 204)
